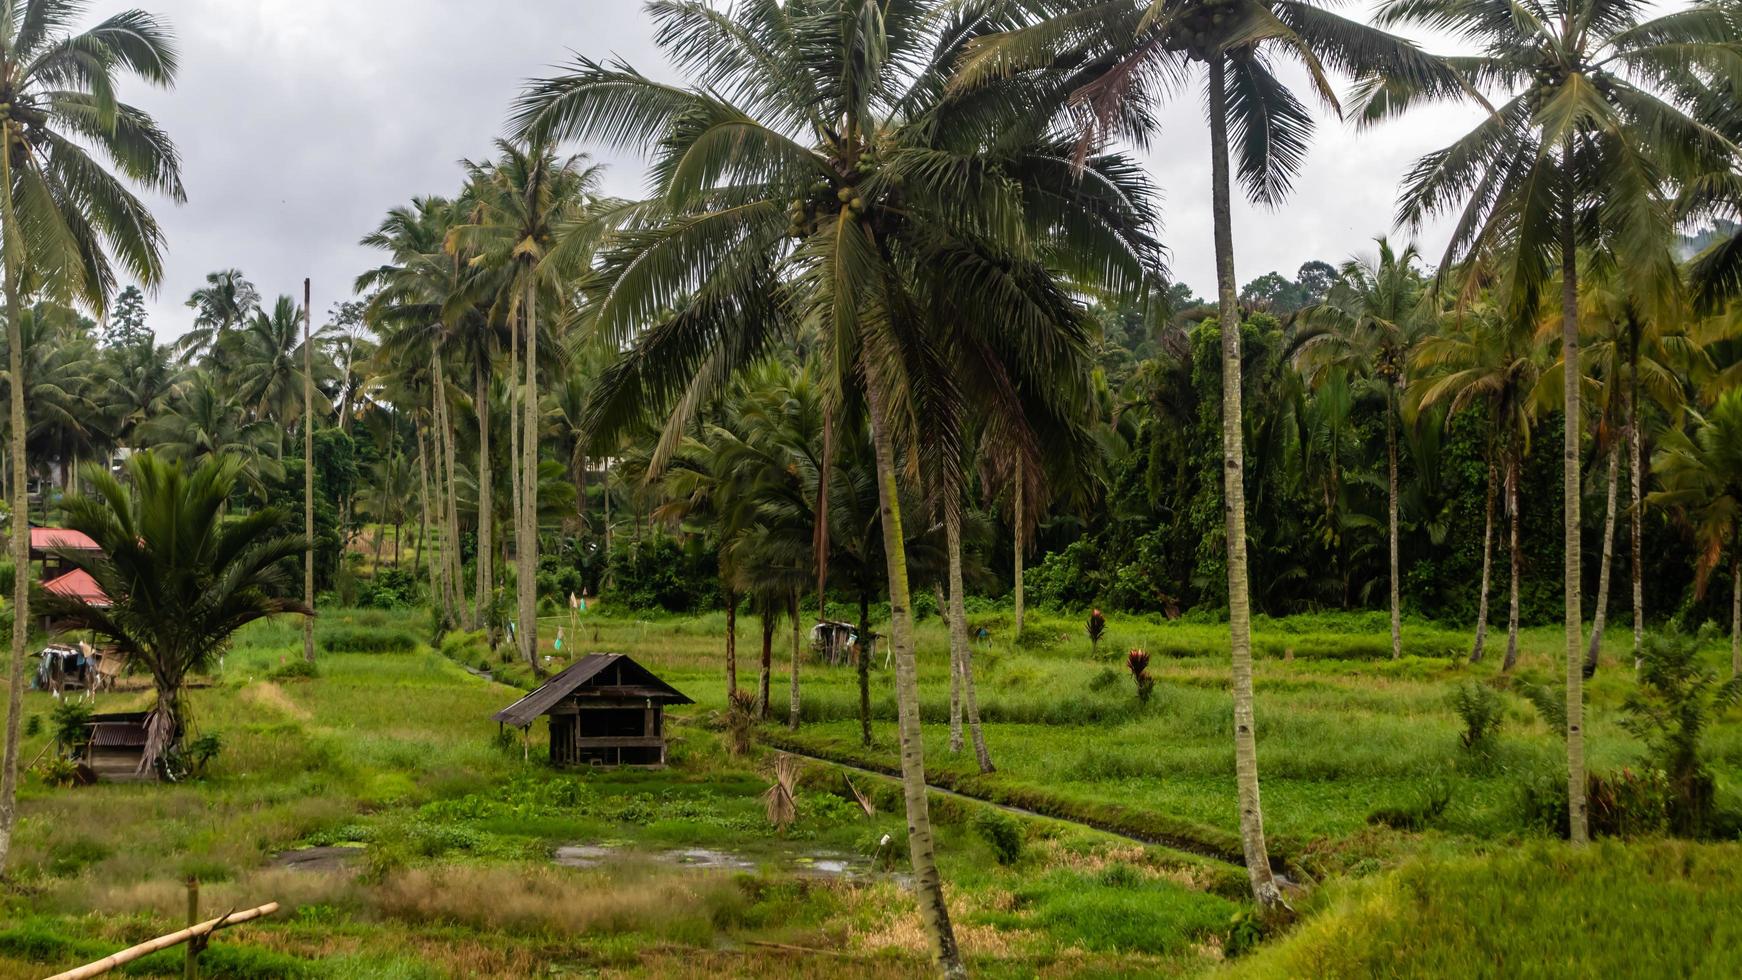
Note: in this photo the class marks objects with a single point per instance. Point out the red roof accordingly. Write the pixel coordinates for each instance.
(78, 584)
(60, 538)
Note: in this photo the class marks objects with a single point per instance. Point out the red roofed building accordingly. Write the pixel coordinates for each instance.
(78, 584)
(46, 544)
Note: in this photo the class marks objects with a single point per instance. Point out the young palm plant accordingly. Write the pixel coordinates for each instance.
(817, 177)
(1701, 476)
(1575, 152)
(68, 150)
(1138, 51)
(181, 576)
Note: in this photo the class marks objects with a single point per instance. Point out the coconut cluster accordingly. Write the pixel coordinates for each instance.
(823, 199)
(1200, 26)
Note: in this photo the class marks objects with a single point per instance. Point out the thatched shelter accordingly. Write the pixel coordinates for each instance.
(604, 709)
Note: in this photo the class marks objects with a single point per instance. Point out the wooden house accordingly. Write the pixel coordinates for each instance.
(604, 709)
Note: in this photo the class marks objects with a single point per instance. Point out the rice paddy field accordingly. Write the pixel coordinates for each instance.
(404, 836)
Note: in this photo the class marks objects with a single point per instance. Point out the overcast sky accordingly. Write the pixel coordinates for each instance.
(301, 122)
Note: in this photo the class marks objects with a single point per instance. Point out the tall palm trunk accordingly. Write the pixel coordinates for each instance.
(862, 664)
(437, 590)
(1391, 507)
(928, 884)
(1635, 478)
(1016, 510)
(20, 554)
(767, 663)
(792, 702)
(1512, 610)
(527, 553)
(960, 650)
(486, 505)
(1570, 475)
(308, 479)
(731, 643)
(1264, 889)
(456, 580)
(1487, 564)
(955, 671)
(1602, 611)
(516, 478)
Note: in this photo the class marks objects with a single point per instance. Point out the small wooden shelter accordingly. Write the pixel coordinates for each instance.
(116, 747)
(605, 710)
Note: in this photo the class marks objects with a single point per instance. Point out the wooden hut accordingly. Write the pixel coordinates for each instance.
(605, 710)
(116, 746)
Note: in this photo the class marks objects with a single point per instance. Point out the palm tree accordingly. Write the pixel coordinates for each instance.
(532, 223)
(1639, 357)
(67, 218)
(1137, 46)
(143, 380)
(1701, 476)
(226, 300)
(818, 174)
(181, 576)
(412, 310)
(1576, 153)
(1368, 324)
(205, 421)
(1485, 360)
(265, 362)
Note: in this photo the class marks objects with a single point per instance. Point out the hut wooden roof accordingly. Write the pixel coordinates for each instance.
(582, 673)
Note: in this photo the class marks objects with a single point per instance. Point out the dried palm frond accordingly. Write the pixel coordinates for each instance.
(779, 802)
(865, 803)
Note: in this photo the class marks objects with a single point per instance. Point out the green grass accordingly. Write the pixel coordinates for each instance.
(1612, 910)
(393, 749)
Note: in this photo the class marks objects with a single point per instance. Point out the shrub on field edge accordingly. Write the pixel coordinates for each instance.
(1002, 832)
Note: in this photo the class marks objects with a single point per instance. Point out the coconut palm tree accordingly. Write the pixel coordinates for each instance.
(225, 301)
(1142, 50)
(264, 360)
(818, 174)
(1484, 359)
(533, 222)
(1368, 324)
(1575, 153)
(1639, 358)
(410, 309)
(207, 421)
(1701, 476)
(181, 576)
(67, 218)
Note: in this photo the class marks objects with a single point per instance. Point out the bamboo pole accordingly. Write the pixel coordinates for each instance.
(132, 953)
(308, 479)
(191, 966)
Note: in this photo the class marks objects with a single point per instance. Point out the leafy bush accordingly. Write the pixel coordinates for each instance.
(366, 639)
(1002, 831)
(1618, 804)
(1677, 698)
(659, 573)
(296, 669)
(70, 721)
(1480, 708)
(57, 771)
(467, 648)
(391, 588)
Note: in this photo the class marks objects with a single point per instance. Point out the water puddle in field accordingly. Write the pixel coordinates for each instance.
(822, 865)
(328, 859)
